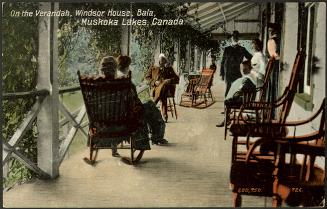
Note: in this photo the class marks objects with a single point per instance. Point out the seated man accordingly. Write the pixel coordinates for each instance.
(149, 114)
(161, 80)
(246, 83)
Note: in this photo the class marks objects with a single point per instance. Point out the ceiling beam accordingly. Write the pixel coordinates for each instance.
(202, 8)
(212, 12)
(194, 6)
(246, 20)
(229, 16)
(242, 36)
(226, 10)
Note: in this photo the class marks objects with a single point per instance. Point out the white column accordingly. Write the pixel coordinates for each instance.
(157, 50)
(48, 118)
(204, 59)
(176, 57)
(188, 57)
(195, 63)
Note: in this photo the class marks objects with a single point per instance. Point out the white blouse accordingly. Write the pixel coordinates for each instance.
(258, 63)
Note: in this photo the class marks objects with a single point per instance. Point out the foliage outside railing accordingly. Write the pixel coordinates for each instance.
(20, 51)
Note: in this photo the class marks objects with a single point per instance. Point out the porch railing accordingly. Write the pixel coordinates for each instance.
(10, 147)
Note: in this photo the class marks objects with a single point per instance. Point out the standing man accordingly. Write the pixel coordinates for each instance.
(232, 58)
(162, 81)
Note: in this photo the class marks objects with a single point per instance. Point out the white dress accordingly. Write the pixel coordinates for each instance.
(181, 87)
(258, 63)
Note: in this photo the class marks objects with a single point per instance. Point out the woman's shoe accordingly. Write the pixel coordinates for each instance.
(160, 142)
(115, 154)
(222, 124)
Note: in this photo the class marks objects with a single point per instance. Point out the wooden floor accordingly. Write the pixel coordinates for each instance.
(193, 171)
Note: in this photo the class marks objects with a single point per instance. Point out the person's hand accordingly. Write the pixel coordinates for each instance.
(157, 83)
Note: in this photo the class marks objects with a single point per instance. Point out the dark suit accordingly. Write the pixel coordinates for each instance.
(230, 64)
(167, 78)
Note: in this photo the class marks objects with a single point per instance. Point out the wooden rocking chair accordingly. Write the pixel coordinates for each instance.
(241, 125)
(264, 173)
(231, 110)
(261, 124)
(189, 93)
(203, 87)
(294, 182)
(109, 105)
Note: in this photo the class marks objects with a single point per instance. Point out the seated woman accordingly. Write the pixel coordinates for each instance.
(246, 83)
(149, 115)
(123, 66)
(108, 70)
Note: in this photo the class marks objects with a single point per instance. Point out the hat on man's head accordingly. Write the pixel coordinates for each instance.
(236, 34)
(274, 26)
(123, 61)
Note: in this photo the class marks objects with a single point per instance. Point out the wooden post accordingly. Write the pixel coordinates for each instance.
(5, 167)
(48, 118)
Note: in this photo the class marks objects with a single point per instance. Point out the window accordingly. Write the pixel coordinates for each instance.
(306, 34)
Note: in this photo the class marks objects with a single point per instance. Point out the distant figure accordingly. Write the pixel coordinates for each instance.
(161, 80)
(246, 83)
(181, 87)
(213, 66)
(232, 58)
(258, 62)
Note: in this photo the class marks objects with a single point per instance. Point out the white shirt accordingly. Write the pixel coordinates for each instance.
(258, 63)
(237, 85)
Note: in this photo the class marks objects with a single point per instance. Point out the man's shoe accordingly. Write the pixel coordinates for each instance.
(223, 112)
(222, 124)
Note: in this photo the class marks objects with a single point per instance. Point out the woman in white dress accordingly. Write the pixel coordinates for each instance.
(258, 62)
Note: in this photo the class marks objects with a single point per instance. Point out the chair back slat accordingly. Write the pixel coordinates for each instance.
(108, 102)
(204, 83)
(292, 86)
(269, 69)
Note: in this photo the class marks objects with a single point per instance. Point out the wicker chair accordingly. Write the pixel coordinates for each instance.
(109, 106)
